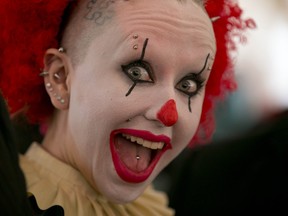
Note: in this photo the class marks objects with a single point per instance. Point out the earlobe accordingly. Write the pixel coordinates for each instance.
(55, 75)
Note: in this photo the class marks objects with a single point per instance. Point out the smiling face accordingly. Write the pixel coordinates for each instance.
(136, 97)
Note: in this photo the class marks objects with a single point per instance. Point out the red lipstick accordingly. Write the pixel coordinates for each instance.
(122, 169)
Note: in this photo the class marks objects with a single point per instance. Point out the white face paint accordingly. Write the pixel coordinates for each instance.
(180, 38)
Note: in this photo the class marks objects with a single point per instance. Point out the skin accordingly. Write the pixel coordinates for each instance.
(95, 89)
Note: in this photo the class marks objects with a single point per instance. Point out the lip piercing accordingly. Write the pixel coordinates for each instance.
(135, 36)
(209, 68)
(128, 120)
(135, 47)
(138, 157)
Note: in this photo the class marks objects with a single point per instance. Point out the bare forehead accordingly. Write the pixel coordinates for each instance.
(173, 17)
(181, 15)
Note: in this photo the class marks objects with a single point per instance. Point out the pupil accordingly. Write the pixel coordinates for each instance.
(136, 72)
(185, 85)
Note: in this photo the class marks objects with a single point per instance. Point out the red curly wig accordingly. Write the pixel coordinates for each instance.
(30, 27)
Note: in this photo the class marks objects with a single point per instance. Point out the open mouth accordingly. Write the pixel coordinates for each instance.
(135, 153)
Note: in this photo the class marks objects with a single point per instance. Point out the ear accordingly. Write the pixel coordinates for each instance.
(57, 72)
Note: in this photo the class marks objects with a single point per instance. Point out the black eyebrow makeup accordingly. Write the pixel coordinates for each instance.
(200, 81)
(140, 60)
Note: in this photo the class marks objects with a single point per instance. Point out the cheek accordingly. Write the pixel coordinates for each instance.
(188, 122)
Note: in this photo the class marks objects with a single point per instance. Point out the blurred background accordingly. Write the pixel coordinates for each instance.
(261, 70)
(261, 74)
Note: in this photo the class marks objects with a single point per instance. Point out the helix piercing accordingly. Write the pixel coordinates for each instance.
(61, 50)
(44, 73)
(214, 19)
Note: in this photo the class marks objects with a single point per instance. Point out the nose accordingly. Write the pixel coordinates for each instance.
(168, 114)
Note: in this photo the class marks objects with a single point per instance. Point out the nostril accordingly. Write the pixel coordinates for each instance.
(168, 114)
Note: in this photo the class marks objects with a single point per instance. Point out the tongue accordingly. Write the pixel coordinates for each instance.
(128, 152)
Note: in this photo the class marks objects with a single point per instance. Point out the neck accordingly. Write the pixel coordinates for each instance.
(57, 136)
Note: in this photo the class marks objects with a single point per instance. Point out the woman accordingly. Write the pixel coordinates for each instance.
(128, 89)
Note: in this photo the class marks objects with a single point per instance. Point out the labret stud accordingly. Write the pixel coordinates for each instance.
(138, 157)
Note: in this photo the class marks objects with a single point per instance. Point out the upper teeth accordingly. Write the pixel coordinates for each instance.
(145, 143)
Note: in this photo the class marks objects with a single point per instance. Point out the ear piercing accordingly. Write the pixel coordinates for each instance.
(58, 97)
(56, 75)
(61, 50)
(44, 73)
(214, 19)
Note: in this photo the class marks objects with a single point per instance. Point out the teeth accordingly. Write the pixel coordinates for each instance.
(145, 143)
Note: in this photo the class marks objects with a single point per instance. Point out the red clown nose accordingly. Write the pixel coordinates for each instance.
(168, 114)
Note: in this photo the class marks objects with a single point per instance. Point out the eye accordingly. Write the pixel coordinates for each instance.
(190, 86)
(138, 71)
(187, 86)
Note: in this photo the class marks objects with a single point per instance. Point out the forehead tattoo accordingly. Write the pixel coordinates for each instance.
(99, 11)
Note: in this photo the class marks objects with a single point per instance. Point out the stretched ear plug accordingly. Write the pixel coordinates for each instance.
(168, 114)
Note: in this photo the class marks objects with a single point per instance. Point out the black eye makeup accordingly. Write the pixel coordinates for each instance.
(192, 83)
(138, 71)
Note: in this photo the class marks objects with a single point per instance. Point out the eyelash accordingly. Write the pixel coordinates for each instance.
(138, 64)
(195, 78)
(148, 78)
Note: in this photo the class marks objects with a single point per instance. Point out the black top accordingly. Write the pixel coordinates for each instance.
(14, 199)
(247, 175)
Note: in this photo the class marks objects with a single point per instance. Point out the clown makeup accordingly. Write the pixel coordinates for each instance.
(138, 71)
(192, 83)
(99, 139)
